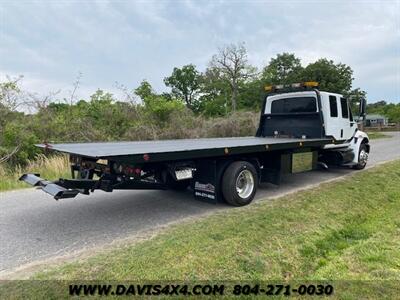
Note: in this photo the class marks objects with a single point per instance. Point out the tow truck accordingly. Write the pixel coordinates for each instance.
(296, 118)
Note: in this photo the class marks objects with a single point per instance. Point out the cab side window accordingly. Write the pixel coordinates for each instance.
(345, 109)
(333, 106)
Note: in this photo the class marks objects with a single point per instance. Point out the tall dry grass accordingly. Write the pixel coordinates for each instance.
(184, 125)
(50, 168)
(179, 126)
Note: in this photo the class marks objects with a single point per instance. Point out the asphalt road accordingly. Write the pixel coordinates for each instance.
(35, 227)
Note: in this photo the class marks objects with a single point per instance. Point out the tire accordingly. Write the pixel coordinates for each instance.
(362, 158)
(239, 183)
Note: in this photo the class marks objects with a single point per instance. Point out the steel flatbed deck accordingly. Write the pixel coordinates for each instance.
(161, 150)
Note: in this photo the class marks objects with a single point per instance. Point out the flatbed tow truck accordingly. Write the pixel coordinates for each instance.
(294, 119)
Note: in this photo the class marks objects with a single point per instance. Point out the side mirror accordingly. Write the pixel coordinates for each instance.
(363, 107)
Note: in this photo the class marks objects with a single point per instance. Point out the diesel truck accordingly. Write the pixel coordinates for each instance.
(297, 118)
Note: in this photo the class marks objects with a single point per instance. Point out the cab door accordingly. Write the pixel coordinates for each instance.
(333, 120)
(347, 124)
(338, 119)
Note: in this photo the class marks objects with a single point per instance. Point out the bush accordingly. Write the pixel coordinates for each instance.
(17, 135)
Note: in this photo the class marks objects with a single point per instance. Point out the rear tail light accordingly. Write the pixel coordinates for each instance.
(132, 171)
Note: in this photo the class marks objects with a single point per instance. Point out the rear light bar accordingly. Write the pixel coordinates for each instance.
(306, 84)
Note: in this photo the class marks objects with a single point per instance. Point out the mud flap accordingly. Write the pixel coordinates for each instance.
(205, 181)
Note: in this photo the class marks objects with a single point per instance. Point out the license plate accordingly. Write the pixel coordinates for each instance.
(184, 174)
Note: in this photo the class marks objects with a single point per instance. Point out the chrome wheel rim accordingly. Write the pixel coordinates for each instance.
(363, 157)
(245, 184)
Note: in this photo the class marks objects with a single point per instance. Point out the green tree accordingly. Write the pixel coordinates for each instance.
(102, 96)
(157, 107)
(377, 105)
(10, 93)
(332, 77)
(144, 90)
(393, 112)
(215, 93)
(285, 68)
(185, 84)
(233, 65)
(251, 94)
(355, 96)
(17, 135)
(16, 138)
(390, 110)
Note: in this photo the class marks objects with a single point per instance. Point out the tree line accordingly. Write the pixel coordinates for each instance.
(231, 83)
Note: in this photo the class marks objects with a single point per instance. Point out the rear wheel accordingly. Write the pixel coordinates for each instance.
(362, 157)
(239, 183)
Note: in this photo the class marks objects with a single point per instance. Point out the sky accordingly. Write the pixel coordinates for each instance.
(51, 43)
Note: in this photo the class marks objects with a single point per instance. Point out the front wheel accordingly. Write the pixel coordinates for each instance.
(362, 157)
(239, 183)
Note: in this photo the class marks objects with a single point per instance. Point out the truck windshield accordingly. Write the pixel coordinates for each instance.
(294, 105)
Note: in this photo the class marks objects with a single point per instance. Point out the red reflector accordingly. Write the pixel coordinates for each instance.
(146, 157)
(129, 170)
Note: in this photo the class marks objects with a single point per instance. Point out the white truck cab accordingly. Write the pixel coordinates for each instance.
(301, 110)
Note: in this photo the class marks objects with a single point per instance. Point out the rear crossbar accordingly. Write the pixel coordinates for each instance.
(57, 191)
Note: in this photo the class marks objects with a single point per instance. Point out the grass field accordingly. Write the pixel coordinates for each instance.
(342, 231)
(373, 135)
(50, 168)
